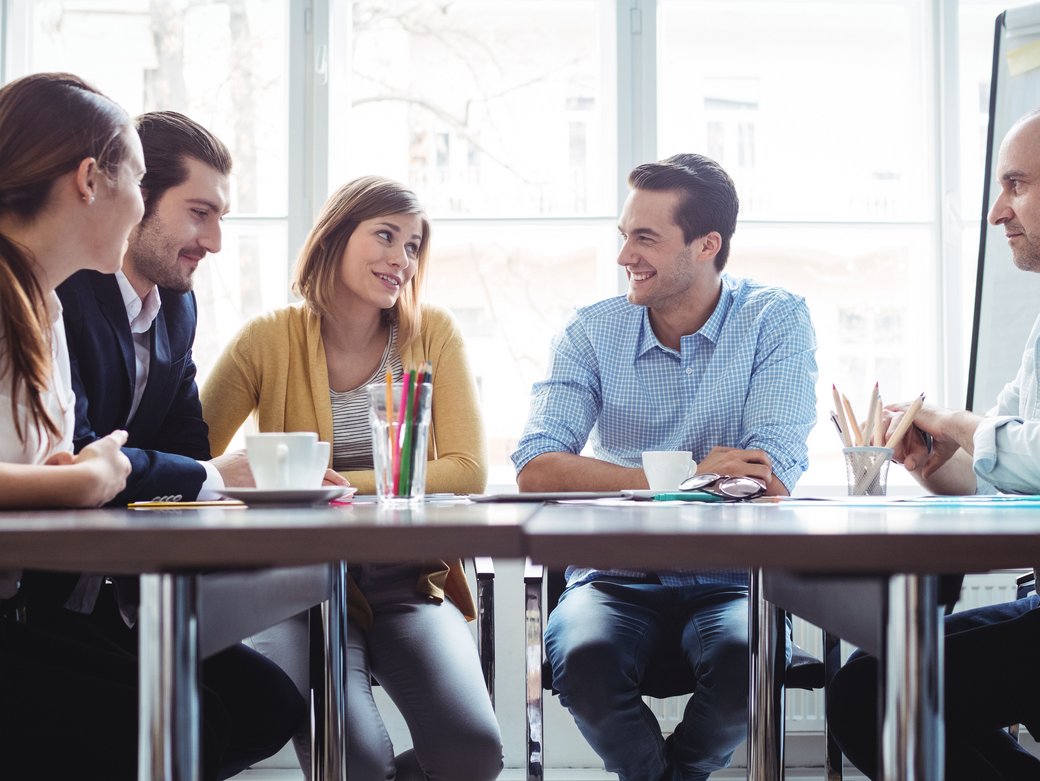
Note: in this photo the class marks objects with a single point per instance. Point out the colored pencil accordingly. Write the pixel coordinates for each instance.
(868, 428)
(857, 433)
(406, 446)
(906, 422)
(390, 453)
(404, 408)
(904, 425)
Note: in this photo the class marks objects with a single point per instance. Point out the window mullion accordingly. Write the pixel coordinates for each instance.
(308, 117)
(636, 86)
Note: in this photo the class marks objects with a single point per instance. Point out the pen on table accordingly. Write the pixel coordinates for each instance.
(842, 425)
(147, 505)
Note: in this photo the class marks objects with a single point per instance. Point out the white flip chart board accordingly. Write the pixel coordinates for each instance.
(1007, 300)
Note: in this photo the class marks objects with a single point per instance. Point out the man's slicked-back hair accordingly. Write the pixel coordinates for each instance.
(168, 138)
(708, 198)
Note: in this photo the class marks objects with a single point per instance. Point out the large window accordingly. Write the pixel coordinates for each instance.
(221, 63)
(858, 158)
(501, 116)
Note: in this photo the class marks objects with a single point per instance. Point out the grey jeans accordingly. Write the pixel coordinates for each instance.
(422, 653)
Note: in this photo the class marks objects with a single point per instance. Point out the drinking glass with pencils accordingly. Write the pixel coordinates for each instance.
(399, 417)
(867, 452)
(867, 469)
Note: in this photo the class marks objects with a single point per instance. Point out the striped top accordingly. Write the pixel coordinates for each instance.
(351, 439)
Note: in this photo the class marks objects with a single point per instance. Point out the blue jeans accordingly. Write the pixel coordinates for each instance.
(602, 637)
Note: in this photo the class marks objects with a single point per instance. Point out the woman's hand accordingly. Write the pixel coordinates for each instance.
(103, 466)
(332, 477)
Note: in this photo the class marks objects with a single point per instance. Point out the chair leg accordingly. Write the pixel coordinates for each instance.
(831, 665)
(533, 577)
(317, 690)
(767, 640)
(485, 570)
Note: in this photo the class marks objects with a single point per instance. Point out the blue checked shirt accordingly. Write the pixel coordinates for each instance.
(746, 379)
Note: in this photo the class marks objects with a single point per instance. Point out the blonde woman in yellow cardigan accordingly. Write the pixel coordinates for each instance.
(305, 368)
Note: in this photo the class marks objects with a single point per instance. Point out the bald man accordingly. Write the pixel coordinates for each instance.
(992, 677)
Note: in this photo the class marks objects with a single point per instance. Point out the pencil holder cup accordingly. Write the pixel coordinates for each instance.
(399, 419)
(867, 470)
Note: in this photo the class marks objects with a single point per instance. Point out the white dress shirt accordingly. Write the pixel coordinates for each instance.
(60, 404)
(1007, 441)
(141, 314)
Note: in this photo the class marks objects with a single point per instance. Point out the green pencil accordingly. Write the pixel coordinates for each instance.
(406, 447)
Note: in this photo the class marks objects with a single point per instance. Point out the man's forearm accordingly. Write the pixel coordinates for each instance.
(568, 472)
(954, 478)
(960, 426)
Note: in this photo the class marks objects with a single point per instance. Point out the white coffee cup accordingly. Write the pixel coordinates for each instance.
(665, 469)
(283, 461)
(322, 450)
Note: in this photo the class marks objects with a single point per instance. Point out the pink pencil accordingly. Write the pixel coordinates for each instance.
(405, 388)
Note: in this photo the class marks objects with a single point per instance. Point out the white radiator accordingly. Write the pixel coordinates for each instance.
(805, 708)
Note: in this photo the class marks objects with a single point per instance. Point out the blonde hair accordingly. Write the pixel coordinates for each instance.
(317, 268)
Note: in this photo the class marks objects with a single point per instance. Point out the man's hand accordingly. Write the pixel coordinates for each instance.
(737, 463)
(944, 426)
(234, 469)
(947, 469)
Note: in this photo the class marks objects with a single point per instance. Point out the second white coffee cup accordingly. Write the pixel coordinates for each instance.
(665, 469)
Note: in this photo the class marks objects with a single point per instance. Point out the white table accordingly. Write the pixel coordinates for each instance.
(169, 548)
(907, 543)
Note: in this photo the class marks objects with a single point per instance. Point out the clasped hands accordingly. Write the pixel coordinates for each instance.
(938, 434)
(735, 462)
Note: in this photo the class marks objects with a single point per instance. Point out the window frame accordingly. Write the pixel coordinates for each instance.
(319, 51)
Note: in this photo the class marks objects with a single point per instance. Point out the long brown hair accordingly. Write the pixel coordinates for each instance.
(362, 199)
(49, 124)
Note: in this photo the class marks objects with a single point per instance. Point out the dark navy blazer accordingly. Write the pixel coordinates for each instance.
(167, 434)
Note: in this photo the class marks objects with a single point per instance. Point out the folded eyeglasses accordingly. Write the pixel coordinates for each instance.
(725, 486)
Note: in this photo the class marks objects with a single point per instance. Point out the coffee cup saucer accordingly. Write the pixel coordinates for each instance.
(325, 493)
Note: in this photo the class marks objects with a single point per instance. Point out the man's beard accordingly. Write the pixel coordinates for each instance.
(1027, 256)
(155, 258)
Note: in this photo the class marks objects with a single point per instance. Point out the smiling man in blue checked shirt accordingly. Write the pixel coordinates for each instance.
(692, 359)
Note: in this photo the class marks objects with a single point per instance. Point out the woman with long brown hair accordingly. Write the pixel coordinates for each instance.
(70, 167)
(69, 195)
(307, 367)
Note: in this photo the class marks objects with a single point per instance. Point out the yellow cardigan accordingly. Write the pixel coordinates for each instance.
(275, 369)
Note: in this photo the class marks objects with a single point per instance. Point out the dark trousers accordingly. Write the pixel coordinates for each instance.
(992, 679)
(68, 700)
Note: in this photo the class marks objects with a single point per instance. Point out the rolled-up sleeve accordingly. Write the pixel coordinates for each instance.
(1007, 453)
(1007, 440)
(780, 410)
